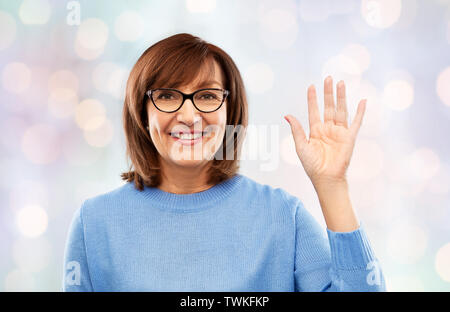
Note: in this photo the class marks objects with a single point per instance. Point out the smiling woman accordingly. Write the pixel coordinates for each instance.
(187, 63)
(186, 220)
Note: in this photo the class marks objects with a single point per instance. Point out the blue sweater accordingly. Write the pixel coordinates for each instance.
(239, 235)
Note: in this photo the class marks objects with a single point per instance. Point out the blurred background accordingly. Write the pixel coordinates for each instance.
(63, 69)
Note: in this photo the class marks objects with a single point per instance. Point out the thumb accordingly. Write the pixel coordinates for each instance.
(297, 132)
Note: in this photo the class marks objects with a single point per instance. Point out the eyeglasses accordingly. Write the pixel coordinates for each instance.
(170, 100)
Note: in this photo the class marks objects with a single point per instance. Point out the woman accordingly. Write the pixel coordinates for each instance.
(186, 220)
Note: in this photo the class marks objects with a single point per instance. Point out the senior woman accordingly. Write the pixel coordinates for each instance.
(186, 220)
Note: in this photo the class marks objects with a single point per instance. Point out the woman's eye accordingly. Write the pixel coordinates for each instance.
(162, 96)
(209, 96)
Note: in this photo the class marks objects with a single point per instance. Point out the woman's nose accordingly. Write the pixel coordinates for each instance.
(188, 114)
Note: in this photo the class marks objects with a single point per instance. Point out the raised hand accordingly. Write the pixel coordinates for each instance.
(326, 155)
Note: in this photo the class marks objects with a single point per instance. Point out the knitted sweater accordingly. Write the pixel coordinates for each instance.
(238, 235)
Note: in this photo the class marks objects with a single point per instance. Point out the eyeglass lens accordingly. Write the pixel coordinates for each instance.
(170, 100)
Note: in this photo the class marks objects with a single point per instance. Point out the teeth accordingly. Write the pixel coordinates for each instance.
(187, 136)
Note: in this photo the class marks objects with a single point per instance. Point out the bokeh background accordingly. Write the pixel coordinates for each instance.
(62, 89)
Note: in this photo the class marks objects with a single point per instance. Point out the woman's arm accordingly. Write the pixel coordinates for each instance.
(337, 261)
(336, 207)
(76, 276)
(325, 156)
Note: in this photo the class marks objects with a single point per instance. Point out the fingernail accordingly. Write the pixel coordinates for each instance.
(286, 119)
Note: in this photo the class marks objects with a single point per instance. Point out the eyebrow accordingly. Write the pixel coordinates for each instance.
(208, 83)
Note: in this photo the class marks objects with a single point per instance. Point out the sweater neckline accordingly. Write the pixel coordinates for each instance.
(193, 201)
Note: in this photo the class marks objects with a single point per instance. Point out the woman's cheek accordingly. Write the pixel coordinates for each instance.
(215, 138)
(157, 133)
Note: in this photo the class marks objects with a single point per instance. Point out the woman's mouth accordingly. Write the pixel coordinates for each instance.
(188, 138)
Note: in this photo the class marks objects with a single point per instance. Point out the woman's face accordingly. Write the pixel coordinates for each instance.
(164, 127)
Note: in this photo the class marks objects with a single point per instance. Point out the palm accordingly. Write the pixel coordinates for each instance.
(327, 153)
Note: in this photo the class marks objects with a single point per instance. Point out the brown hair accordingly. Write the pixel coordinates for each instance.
(172, 62)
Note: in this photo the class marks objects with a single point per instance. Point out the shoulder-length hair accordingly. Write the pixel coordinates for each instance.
(172, 62)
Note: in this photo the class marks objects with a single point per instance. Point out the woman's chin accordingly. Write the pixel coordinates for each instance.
(189, 159)
(189, 156)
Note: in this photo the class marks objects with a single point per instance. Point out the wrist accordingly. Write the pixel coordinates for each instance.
(331, 185)
(336, 206)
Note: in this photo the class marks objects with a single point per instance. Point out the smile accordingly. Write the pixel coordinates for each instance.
(188, 138)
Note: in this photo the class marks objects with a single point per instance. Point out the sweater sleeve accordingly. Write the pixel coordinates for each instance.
(335, 261)
(76, 275)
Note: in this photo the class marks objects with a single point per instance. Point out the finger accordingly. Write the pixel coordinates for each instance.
(297, 132)
(313, 109)
(357, 120)
(341, 110)
(329, 111)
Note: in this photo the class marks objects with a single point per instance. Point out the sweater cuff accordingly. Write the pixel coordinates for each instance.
(350, 250)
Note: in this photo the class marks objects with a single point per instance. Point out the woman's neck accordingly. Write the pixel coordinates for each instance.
(183, 180)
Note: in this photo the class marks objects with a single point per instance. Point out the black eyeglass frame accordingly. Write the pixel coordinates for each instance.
(189, 96)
